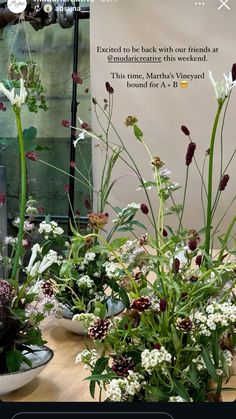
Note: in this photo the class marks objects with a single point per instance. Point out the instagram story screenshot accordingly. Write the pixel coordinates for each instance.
(117, 209)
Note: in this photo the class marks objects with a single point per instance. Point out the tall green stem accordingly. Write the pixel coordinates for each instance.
(210, 179)
(22, 194)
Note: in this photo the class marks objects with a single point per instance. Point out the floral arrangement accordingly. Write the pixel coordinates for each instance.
(176, 340)
(23, 302)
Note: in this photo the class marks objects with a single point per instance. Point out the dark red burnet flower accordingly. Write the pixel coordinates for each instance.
(163, 305)
(86, 126)
(144, 208)
(2, 107)
(41, 210)
(66, 188)
(99, 329)
(234, 72)
(185, 130)
(164, 232)
(190, 153)
(31, 155)
(72, 164)
(192, 244)
(65, 123)
(76, 78)
(141, 304)
(223, 183)
(198, 260)
(2, 199)
(87, 204)
(176, 266)
(157, 346)
(109, 88)
(122, 365)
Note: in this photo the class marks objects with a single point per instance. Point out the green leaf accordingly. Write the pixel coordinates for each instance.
(100, 365)
(209, 365)
(30, 134)
(102, 377)
(14, 360)
(154, 394)
(181, 390)
(124, 297)
(92, 386)
(118, 243)
(138, 133)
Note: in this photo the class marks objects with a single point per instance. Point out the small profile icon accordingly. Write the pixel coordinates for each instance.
(47, 8)
(16, 6)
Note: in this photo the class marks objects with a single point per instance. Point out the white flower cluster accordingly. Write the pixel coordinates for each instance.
(119, 389)
(176, 399)
(86, 318)
(216, 315)
(50, 228)
(89, 257)
(10, 240)
(111, 269)
(85, 283)
(133, 206)
(151, 359)
(88, 358)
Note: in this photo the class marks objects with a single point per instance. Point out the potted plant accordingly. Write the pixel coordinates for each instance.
(176, 341)
(22, 351)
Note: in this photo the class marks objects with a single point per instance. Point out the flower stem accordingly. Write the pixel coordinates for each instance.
(210, 180)
(22, 194)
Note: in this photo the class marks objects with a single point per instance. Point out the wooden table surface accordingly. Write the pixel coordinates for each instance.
(62, 379)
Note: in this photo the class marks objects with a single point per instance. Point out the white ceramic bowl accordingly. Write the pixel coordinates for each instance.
(114, 307)
(39, 359)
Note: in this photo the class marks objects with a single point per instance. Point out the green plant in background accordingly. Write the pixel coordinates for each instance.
(176, 341)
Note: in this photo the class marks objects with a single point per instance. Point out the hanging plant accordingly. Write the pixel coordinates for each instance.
(30, 73)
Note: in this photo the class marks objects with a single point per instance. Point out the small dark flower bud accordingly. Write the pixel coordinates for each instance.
(176, 266)
(190, 153)
(65, 123)
(224, 182)
(157, 346)
(86, 126)
(31, 155)
(198, 260)
(185, 130)
(144, 209)
(234, 72)
(94, 101)
(163, 305)
(76, 78)
(208, 152)
(192, 244)
(164, 232)
(109, 88)
(2, 107)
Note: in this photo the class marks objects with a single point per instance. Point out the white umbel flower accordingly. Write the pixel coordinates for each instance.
(222, 89)
(154, 358)
(16, 100)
